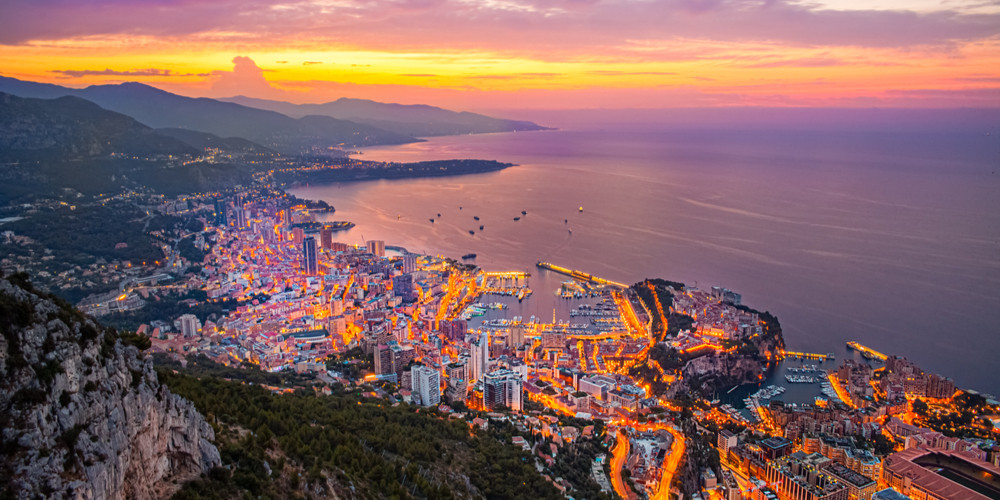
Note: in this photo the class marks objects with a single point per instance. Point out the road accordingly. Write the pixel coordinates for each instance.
(618, 455)
(670, 464)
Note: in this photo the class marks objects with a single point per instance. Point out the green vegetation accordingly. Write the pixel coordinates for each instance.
(342, 170)
(347, 445)
(959, 418)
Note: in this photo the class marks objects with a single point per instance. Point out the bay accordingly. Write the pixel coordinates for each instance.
(890, 239)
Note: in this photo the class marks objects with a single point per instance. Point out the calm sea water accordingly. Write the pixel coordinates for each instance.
(892, 240)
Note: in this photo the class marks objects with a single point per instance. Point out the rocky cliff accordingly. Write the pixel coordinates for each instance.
(82, 412)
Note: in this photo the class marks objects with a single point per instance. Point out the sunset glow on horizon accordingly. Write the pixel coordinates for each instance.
(521, 54)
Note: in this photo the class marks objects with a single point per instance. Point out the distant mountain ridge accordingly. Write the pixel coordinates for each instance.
(410, 119)
(160, 109)
(70, 127)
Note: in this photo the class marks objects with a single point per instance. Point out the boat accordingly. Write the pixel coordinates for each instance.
(481, 227)
(517, 218)
(475, 217)
(565, 221)
(432, 220)
(472, 232)
(469, 256)
(581, 209)
(570, 231)
(523, 212)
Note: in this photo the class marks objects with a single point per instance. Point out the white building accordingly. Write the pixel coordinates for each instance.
(426, 385)
(189, 325)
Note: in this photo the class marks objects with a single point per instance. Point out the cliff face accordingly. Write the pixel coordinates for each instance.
(82, 414)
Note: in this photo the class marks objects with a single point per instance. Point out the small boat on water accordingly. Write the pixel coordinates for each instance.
(469, 256)
(472, 232)
(432, 220)
(523, 212)
(475, 217)
(517, 218)
(481, 227)
(439, 215)
(565, 221)
(581, 209)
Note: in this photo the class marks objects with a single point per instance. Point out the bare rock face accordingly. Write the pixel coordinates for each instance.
(83, 414)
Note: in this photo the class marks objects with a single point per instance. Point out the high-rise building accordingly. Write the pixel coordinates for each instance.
(241, 217)
(310, 264)
(189, 325)
(402, 356)
(326, 236)
(298, 234)
(383, 359)
(376, 247)
(220, 212)
(481, 357)
(409, 263)
(503, 388)
(426, 385)
(454, 329)
(458, 385)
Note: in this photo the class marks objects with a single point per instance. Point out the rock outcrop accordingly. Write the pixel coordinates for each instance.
(82, 412)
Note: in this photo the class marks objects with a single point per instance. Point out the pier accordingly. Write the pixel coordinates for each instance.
(867, 351)
(805, 355)
(580, 275)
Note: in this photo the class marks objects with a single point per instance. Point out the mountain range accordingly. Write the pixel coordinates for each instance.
(303, 129)
(73, 128)
(418, 120)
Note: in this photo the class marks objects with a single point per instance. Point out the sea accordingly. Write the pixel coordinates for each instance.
(890, 239)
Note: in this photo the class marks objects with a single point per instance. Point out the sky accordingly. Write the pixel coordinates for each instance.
(522, 54)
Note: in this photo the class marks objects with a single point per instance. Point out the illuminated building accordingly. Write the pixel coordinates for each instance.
(310, 264)
(727, 440)
(383, 360)
(220, 212)
(409, 263)
(935, 474)
(241, 217)
(481, 357)
(801, 477)
(376, 247)
(858, 487)
(426, 385)
(458, 386)
(454, 329)
(326, 237)
(502, 388)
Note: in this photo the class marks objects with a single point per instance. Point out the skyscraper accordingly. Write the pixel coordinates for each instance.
(426, 385)
(326, 236)
(309, 262)
(481, 357)
(376, 247)
(502, 388)
(457, 384)
(409, 263)
(220, 212)
(241, 217)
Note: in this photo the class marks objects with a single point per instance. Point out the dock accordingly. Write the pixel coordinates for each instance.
(805, 355)
(580, 275)
(867, 351)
